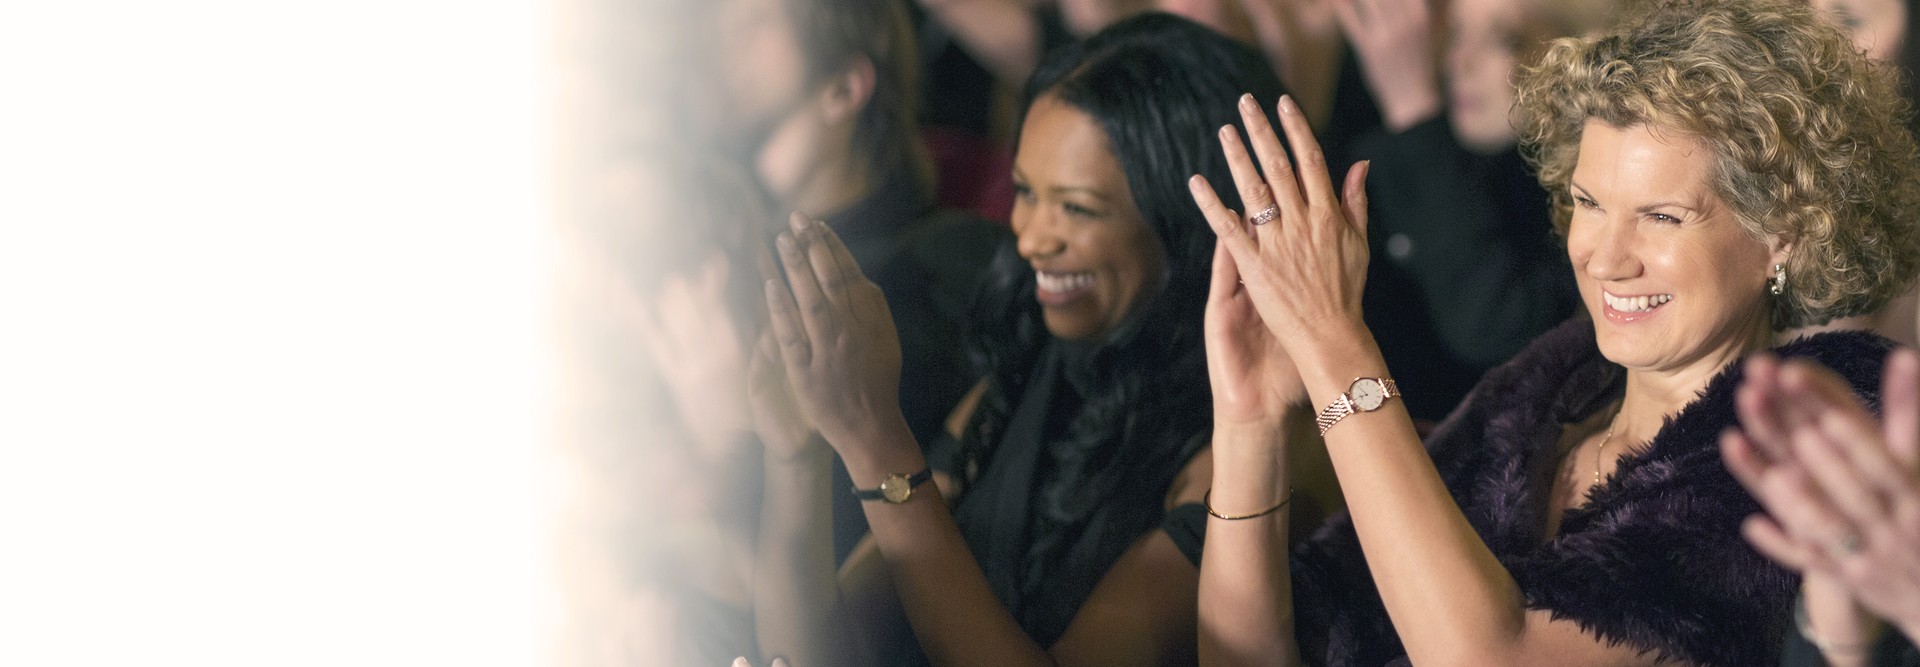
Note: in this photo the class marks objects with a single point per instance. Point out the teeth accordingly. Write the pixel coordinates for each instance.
(1635, 304)
(1062, 283)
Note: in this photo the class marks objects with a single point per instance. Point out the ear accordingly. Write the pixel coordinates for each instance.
(848, 92)
(1779, 249)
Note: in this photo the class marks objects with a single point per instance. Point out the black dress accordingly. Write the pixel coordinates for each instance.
(1042, 568)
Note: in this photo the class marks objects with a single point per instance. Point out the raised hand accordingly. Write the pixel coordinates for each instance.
(690, 333)
(1305, 264)
(1254, 381)
(836, 337)
(1842, 491)
(1394, 41)
(777, 418)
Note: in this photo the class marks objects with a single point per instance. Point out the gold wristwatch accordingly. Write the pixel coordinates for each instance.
(1364, 395)
(896, 488)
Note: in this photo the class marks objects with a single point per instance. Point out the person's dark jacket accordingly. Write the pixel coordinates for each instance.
(1466, 269)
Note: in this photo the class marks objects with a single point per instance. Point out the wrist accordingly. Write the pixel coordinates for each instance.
(1330, 363)
(1409, 108)
(882, 449)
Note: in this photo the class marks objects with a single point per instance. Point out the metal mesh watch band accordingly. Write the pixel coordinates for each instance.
(1343, 405)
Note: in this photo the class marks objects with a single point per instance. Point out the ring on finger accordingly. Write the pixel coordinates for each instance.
(1265, 215)
(1848, 544)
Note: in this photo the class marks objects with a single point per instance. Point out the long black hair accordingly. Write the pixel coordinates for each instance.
(1159, 86)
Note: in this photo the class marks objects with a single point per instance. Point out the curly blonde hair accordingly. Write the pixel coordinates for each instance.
(1809, 137)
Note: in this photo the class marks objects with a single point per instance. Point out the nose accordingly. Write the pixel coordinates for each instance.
(1608, 246)
(1038, 236)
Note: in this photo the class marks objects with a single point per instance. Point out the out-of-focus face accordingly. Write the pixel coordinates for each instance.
(1095, 257)
(1878, 27)
(1668, 274)
(1483, 44)
(759, 72)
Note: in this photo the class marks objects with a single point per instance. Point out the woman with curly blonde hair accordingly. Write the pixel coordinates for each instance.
(1720, 171)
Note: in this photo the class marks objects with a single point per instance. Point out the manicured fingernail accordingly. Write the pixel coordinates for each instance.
(797, 222)
(1286, 104)
(1247, 101)
(1226, 132)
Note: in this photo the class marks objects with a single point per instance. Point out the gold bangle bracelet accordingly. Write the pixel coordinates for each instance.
(1206, 500)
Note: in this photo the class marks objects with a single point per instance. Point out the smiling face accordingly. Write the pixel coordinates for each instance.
(1665, 269)
(1093, 252)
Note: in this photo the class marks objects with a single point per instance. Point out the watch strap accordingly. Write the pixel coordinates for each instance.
(879, 493)
(1342, 405)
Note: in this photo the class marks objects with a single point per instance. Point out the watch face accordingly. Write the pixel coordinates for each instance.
(1367, 394)
(896, 488)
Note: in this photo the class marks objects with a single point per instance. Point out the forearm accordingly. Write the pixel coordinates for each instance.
(1246, 590)
(954, 613)
(1001, 34)
(1450, 600)
(796, 606)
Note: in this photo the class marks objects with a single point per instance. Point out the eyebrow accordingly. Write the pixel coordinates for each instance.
(1644, 208)
(1062, 189)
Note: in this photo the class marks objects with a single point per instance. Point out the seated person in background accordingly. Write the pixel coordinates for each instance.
(1881, 28)
(1574, 510)
(839, 142)
(1842, 493)
(1464, 271)
(1090, 429)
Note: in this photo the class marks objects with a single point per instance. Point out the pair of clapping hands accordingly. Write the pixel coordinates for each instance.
(829, 360)
(1841, 489)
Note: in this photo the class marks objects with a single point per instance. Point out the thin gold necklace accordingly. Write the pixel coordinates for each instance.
(1599, 455)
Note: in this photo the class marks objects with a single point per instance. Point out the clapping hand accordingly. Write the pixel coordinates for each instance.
(836, 338)
(1254, 381)
(1841, 490)
(1302, 252)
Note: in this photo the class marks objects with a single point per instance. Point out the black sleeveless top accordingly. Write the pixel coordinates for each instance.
(1043, 568)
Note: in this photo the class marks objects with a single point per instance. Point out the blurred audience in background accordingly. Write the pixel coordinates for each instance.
(824, 112)
(1883, 29)
(1465, 271)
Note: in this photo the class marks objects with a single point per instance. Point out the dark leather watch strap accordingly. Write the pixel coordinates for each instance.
(913, 481)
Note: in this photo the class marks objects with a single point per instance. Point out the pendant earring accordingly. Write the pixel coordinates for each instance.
(1778, 283)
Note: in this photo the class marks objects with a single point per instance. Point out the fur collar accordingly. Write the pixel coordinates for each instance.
(1654, 559)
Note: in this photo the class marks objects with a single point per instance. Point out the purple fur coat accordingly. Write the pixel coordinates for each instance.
(1654, 559)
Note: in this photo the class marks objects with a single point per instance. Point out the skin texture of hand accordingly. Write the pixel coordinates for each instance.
(1394, 41)
(777, 417)
(698, 347)
(1304, 271)
(1254, 381)
(1829, 474)
(837, 340)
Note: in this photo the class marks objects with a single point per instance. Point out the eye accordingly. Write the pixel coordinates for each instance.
(1079, 211)
(1585, 202)
(1022, 191)
(1662, 217)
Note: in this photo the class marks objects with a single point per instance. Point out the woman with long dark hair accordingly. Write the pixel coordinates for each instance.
(1089, 431)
